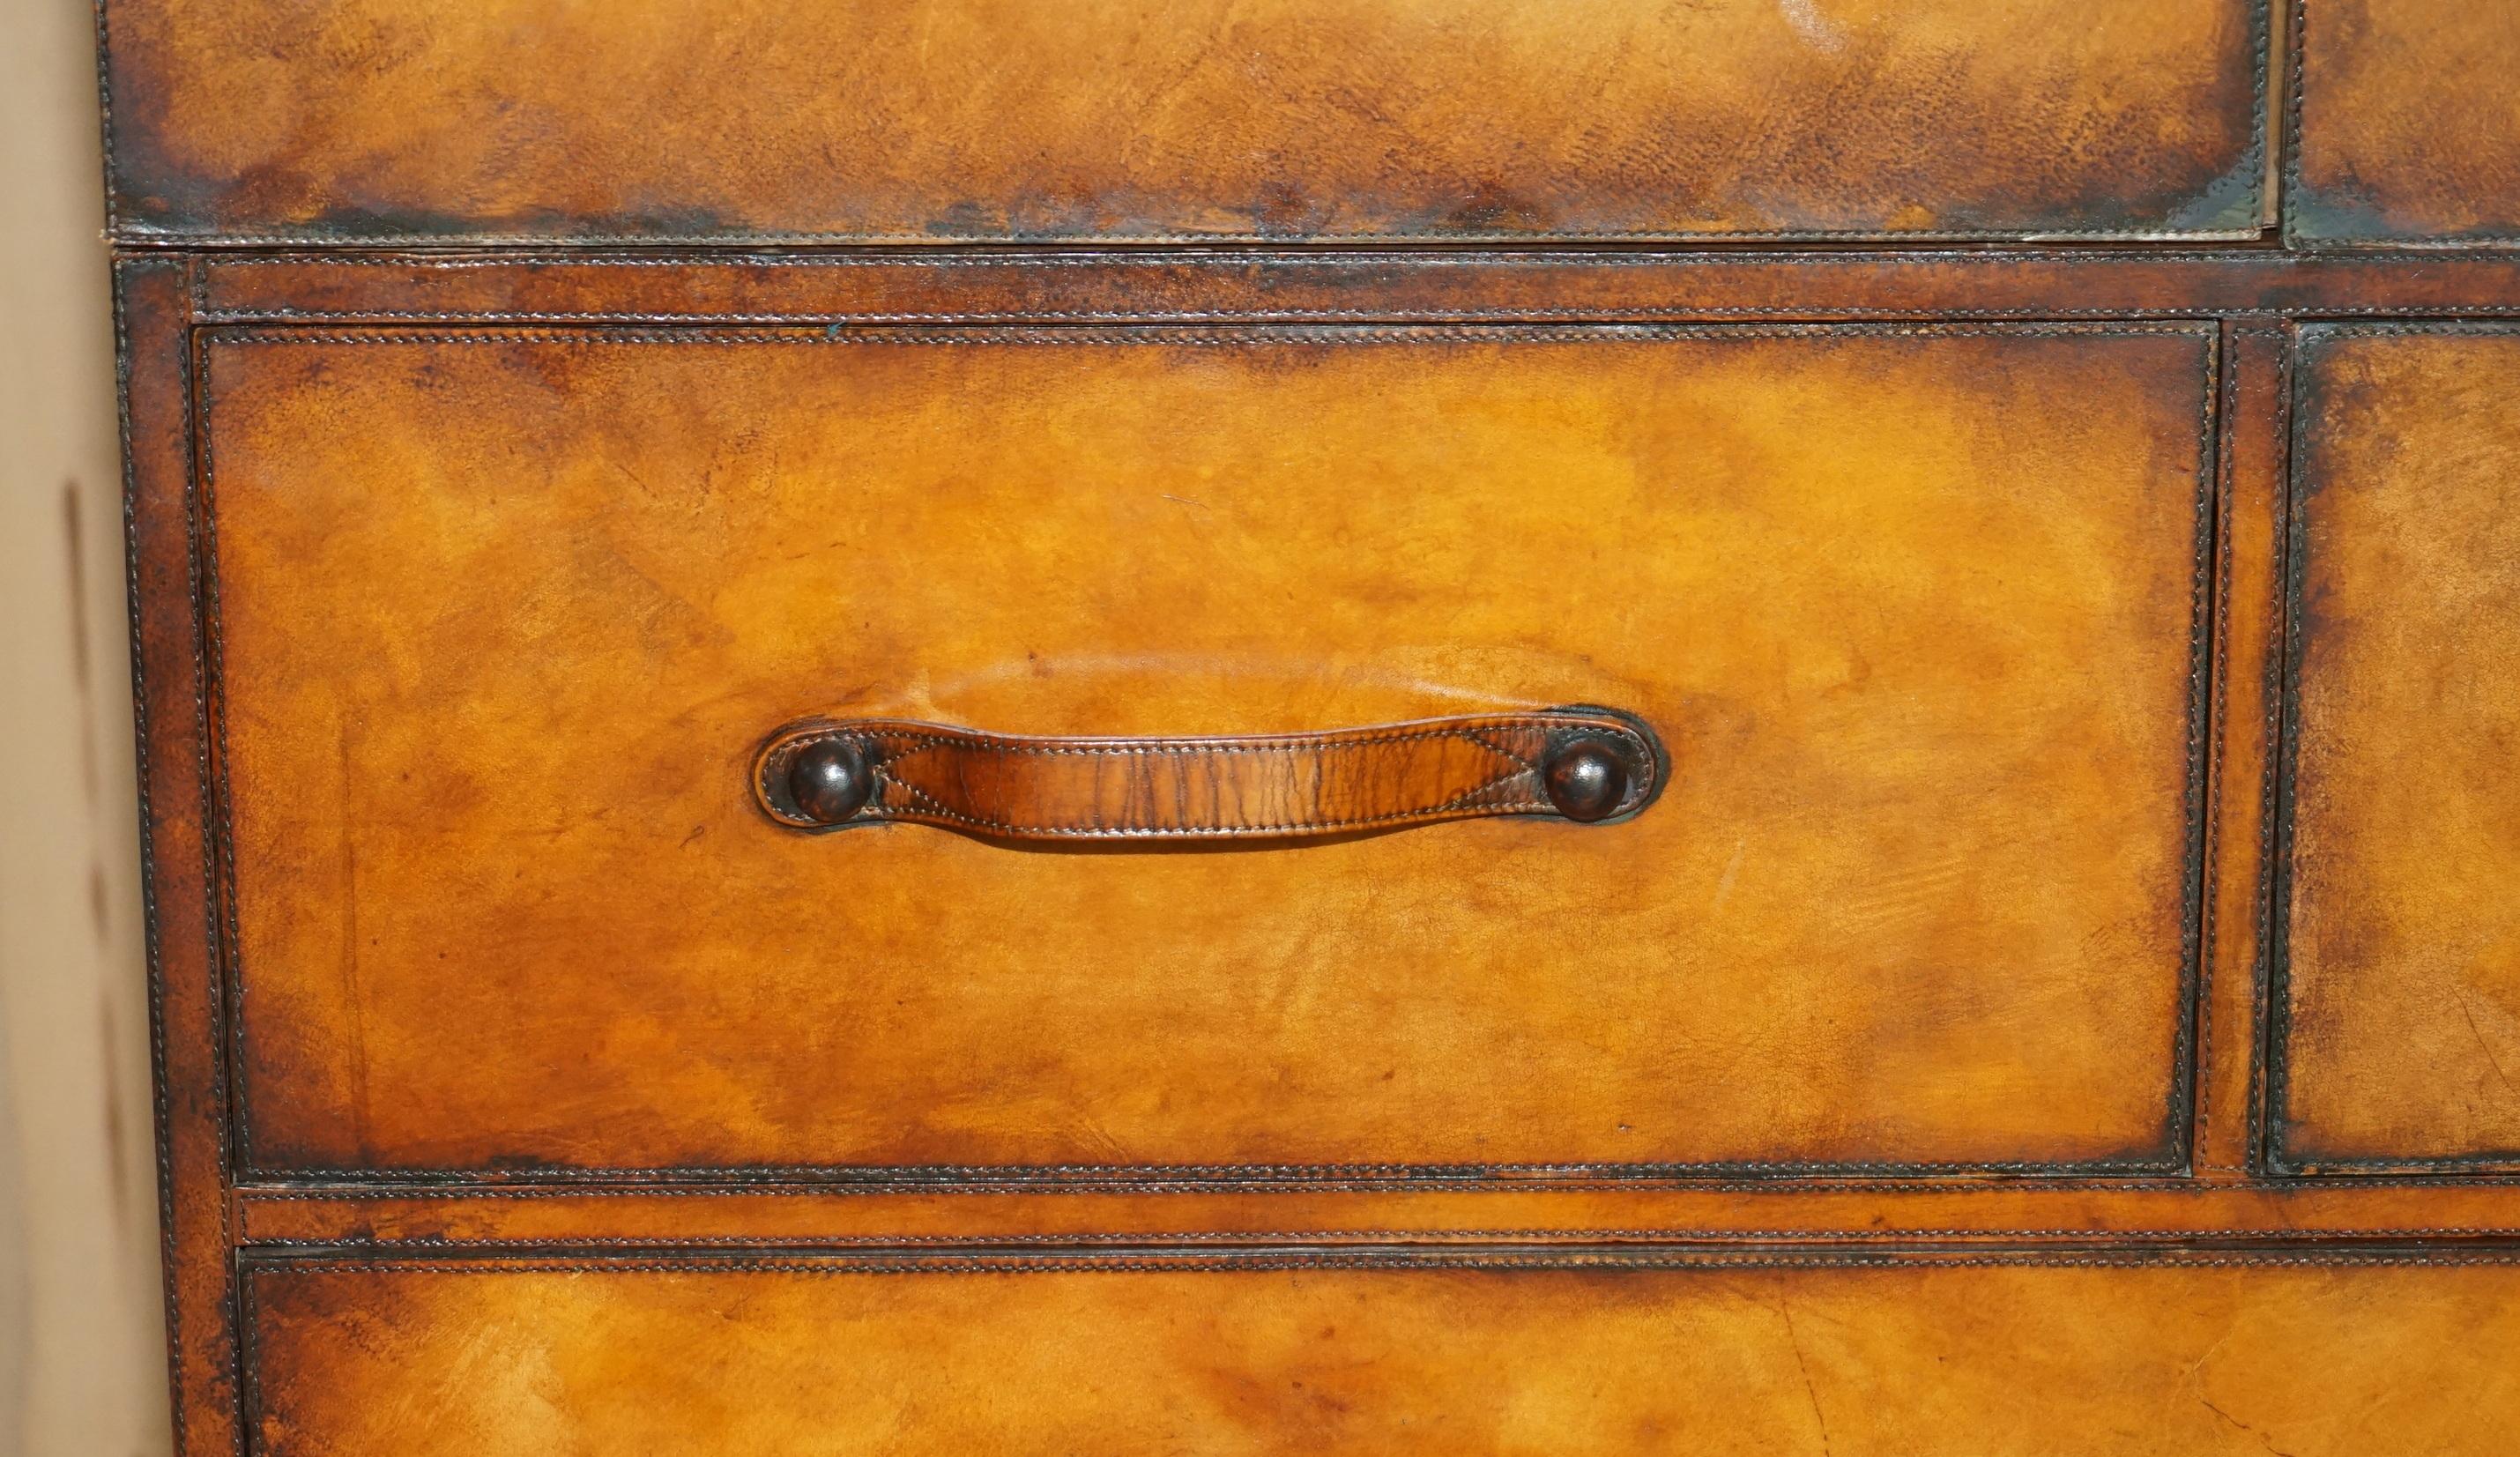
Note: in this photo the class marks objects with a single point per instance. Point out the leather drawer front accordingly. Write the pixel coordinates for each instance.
(2400, 1039)
(2407, 123)
(503, 615)
(1323, 1356)
(940, 121)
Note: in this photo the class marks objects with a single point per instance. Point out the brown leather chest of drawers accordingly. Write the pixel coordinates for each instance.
(1354, 726)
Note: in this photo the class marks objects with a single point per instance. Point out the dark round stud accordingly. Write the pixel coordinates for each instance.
(1587, 779)
(831, 780)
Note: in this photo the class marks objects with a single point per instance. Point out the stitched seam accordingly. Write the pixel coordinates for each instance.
(1416, 1175)
(992, 743)
(1666, 1233)
(2293, 116)
(1478, 736)
(2279, 994)
(197, 573)
(2210, 955)
(1027, 257)
(219, 824)
(371, 1188)
(250, 1324)
(1181, 335)
(218, 840)
(2275, 675)
(1261, 315)
(161, 1107)
(113, 228)
(2182, 1130)
(156, 234)
(1367, 1261)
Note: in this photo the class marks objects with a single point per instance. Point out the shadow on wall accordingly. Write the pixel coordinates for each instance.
(82, 1358)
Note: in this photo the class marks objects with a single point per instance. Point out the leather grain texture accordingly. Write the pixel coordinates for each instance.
(2400, 1043)
(453, 511)
(1275, 787)
(502, 615)
(1385, 1355)
(936, 120)
(2406, 123)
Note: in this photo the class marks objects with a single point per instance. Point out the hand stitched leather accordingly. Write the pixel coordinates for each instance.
(1260, 787)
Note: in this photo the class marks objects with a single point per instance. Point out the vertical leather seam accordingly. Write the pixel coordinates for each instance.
(125, 274)
(2279, 948)
(2276, 680)
(2216, 752)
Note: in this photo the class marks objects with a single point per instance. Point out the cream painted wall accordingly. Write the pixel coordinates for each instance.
(81, 1360)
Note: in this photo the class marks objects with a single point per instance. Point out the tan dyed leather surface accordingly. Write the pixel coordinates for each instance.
(995, 119)
(2402, 1039)
(505, 616)
(1347, 780)
(1993, 1362)
(2409, 122)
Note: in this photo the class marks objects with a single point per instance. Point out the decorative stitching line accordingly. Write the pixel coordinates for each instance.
(114, 229)
(1570, 1235)
(1274, 252)
(219, 824)
(947, 336)
(225, 1001)
(248, 1317)
(161, 1107)
(260, 1266)
(2293, 111)
(1125, 1177)
(2296, 563)
(200, 591)
(361, 1189)
(980, 742)
(2184, 1074)
(149, 235)
(2270, 771)
(1262, 316)
(2227, 365)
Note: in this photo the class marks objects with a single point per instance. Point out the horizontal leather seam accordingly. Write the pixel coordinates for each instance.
(1260, 315)
(1416, 1175)
(368, 1189)
(1672, 1233)
(2197, 330)
(977, 1263)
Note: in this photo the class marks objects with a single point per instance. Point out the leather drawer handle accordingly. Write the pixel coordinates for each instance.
(1589, 766)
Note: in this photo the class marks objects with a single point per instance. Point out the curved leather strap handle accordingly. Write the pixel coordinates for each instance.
(1584, 764)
